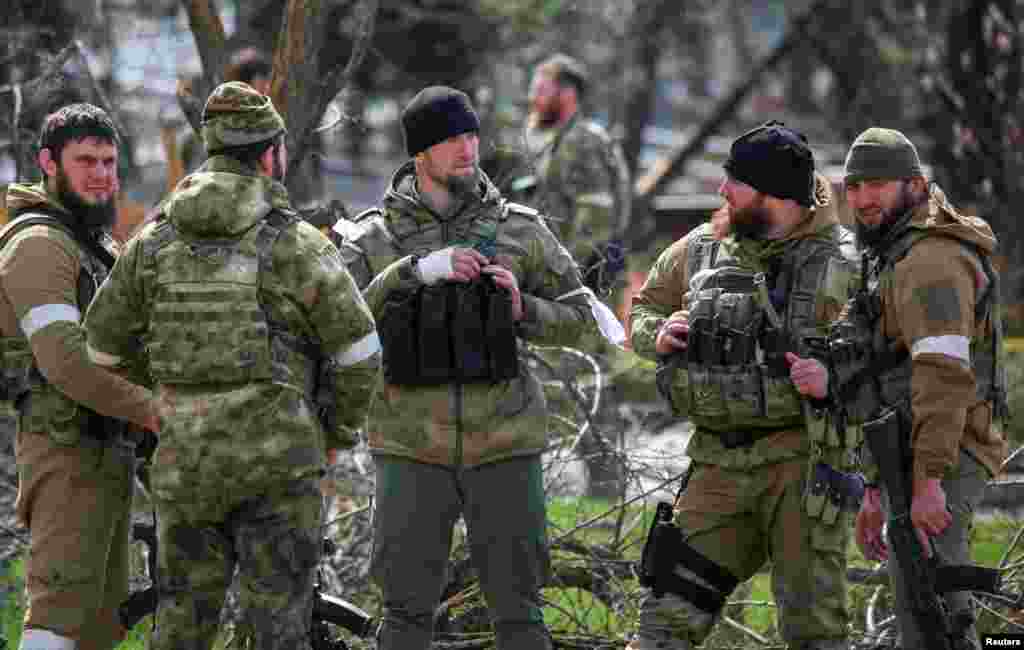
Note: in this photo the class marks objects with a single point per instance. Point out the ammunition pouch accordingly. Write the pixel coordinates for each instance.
(66, 422)
(671, 380)
(665, 550)
(830, 491)
(449, 332)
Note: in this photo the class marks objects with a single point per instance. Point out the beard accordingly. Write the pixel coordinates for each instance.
(751, 222)
(92, 216)
(460, 187)
(891, 217)
(542, 117)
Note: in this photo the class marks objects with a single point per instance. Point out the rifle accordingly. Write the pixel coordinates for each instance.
(888, 439)
(327, 609)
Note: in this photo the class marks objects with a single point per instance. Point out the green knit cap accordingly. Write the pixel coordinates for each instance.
(882, 154)
(236, 114)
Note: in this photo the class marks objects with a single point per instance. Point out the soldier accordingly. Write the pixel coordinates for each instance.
(936, 337)
(726, 318)
(53, 256)
(581, 183)
(455, 275)
(262, 352)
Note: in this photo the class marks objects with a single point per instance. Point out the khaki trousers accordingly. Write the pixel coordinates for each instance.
(76, 502)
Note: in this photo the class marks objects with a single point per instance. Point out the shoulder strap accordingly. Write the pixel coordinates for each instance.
(31, 219)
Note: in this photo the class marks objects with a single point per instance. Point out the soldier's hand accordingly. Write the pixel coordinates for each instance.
(869, 526)
(466, 264)
(809, 376)
(458, 264)
(928, 511)
(673, 334)
(506, 279)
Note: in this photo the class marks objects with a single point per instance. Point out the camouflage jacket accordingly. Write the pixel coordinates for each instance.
(47, 278)
(667, 291)
(581, 184)
(928, 288)
(219, 437)
(465, 425)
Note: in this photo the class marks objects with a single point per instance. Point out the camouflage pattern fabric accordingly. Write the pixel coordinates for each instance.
(465, 425)
(273, 539)
(581, 184)
(745, 505)
(224, 447)
(237, 114)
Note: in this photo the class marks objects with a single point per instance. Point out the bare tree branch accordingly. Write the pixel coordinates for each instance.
(208, 31)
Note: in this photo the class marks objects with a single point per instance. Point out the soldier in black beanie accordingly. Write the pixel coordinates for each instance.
(448, 439)
(727, 319)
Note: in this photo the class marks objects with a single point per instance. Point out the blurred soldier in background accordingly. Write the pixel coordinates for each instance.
(578, 176)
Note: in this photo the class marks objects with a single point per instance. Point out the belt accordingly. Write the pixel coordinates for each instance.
(744, 438)
(95, 427)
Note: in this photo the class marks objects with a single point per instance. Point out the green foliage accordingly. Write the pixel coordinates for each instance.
(1014, 360)
(12, 585)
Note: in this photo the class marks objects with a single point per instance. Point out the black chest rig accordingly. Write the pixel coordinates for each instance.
(741, 325)
(871, 373)
(450, 332)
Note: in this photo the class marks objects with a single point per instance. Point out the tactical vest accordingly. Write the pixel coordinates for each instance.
(871, 375)
(208, 323)
(450, 332)
(741, 325)
(49, 409)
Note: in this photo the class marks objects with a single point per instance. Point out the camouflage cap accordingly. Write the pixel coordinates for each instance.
(236, 114)
(567, 70)
(882, 154)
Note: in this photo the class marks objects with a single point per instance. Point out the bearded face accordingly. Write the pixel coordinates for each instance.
(751, 221)
(545, 109)
(878, 205)
(454, 164)
(91, 214)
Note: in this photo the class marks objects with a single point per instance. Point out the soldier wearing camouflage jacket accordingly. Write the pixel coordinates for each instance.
(447, 448)
(731, 320)
(263, 353)
(55, 252)
(580, 180)
(936, 329)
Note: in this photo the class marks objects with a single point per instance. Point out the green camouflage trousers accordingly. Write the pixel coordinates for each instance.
(741, 520)
(274, 539)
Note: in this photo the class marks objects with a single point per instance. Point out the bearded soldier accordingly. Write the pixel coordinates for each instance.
(727, 318)
(921, 342)
(53, 255)
(580, 180)
(455, 276)
(263, 353)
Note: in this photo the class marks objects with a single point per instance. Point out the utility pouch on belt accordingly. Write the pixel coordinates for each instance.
(450, 332)
(830, 491)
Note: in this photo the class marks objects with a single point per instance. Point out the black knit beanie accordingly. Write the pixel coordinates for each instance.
(774, 159)
(435, 114)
